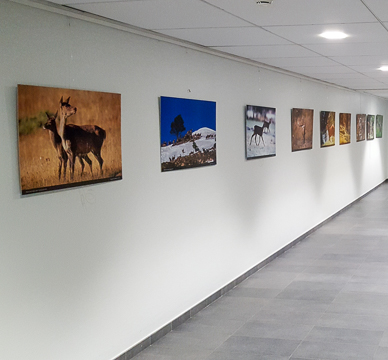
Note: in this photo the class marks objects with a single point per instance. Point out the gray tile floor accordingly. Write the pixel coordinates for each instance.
(326, 298)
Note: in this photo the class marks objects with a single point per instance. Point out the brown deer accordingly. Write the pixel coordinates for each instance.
(79, 140)
(330, 130)
(266, 125)
(257, 130)
(57, 143)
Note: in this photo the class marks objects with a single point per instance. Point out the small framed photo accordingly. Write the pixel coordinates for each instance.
(260, 131)
(370, 127)
(327, 125)
(360, 127)
(379, 126)
(302, 129)
(344, 128)
(187, 133)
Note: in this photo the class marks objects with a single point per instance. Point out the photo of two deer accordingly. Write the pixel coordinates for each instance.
(260, 131)
(60, 130)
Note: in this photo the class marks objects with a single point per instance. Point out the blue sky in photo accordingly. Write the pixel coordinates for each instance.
(196, 114)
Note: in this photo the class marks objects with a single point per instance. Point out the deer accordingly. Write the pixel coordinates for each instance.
(257, 130)
(302, 126)
(266, 125)
(79, 140)
(57, 143)
(330, 131)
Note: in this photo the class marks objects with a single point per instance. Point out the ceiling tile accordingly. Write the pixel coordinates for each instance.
(309, 34)
(72, 2)
(297, 12)
(381, 93)
(311, 70)
(365, 83)
(384, 80)
(375, 61)
(297, 61)
(379, 8)
(333, 77)
(370, 71)
(367, 69)
(226, 36)
(280, 51)
(282, 35)
(350, 49)
(164, 14)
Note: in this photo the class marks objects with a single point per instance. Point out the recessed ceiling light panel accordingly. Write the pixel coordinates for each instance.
(333, 35)
(383, 68)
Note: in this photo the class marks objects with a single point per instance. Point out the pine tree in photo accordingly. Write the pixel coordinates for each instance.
(177, 126)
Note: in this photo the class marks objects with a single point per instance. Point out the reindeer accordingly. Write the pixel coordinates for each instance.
(257, 130)
(57, 143)
(79, 140)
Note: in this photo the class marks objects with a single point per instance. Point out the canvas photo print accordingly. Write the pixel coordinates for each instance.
(260, 131)
(370, 127)
(187, 133)
(379, 126)
(327, 127)
(67, 137)
(344, 128)
(302, 129)
(360, 127)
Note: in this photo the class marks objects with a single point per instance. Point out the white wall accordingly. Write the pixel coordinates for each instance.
(87, 273)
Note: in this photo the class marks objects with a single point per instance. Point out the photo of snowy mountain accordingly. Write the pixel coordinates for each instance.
(260, 131)
(187, 133)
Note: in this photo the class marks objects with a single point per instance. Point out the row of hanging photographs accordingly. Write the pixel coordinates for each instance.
(261, 121)
(66, 128)
(188, 131)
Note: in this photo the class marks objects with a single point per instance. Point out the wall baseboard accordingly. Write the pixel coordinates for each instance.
(135, 350)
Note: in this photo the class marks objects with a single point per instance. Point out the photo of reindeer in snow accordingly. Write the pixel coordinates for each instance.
(67, 128)
(260, 129)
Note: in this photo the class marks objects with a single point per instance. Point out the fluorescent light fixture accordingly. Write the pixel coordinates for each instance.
(334, 35)
(383, 68)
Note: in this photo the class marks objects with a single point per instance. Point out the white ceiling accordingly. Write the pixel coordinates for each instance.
(283, 35)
